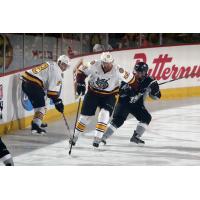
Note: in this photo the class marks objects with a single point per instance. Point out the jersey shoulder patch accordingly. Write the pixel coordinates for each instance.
(59, 83)
(121, 70)
(92, 62)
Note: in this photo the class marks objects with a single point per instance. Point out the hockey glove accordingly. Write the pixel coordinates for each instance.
(154, 87)
(124, 90)
(80, 88)
(155, 90)
(58, 105)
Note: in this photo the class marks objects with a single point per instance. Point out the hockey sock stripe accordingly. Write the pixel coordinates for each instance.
(38, 115)
(101, 123)
(80, 127)
(101, 127)
(100, 130)
(81, 123)
(80, 130)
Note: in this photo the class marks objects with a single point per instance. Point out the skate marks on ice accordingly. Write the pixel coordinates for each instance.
(172, 138)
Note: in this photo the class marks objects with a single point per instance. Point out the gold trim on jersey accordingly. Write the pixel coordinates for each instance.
(33, 79)
(132, 80)
(115, 91)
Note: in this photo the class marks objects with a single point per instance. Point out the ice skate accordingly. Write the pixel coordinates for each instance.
(44, 125)
(96, 142)
(103, 140)
(36, 130)
(135, 138)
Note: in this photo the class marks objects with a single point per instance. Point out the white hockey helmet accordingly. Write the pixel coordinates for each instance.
(106, 57)
(64, 59)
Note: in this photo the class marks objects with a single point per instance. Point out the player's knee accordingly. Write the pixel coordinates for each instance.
(104, 116)
(147, 119)
(85, 119)
(3, 153)
(41, 110)
(109, 108)
(117, 122)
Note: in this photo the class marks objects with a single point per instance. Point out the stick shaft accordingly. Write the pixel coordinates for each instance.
(79, 103)
(175, 79)
(66, 122)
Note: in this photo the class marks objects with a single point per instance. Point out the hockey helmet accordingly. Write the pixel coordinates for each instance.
(141, 67)
(64, 59)
(106, 57)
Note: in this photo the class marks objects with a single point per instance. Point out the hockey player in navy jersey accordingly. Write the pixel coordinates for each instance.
(131, 100)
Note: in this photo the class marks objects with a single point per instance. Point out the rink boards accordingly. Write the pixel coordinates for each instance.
(165, 63)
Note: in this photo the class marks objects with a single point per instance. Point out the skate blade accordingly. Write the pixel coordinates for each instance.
(38, 134)
(137, 144)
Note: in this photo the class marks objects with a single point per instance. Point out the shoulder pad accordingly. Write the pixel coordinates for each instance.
(150, 78)
(84, 67)
(50, 62)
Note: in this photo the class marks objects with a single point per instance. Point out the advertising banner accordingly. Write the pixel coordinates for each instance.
(165, 63)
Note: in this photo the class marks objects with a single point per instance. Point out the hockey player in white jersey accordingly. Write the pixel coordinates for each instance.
(103, 85)
(41, 79)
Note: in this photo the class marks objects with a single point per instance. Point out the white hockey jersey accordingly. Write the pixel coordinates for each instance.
(105, 83)
(47, 75)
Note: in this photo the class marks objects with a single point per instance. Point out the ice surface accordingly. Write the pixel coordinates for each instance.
(173, 138)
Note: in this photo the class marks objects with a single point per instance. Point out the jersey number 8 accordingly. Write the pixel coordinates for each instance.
(39, 68)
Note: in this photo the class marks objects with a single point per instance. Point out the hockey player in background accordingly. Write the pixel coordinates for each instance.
(5, 155)
(41, 79)
(131, 100)
(103, 84)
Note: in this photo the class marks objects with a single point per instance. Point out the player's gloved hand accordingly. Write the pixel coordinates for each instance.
(80, 88)
(154, 88)
(58, 105)
(124, 90)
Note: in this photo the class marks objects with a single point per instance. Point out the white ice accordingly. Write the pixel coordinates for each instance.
(173, 138)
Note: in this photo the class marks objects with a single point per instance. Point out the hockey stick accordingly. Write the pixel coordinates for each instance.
(137, 97)
(65, 120)
(79, 103)
(175, 79)
(171, 80)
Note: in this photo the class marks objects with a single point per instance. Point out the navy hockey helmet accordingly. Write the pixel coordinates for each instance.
(141, 67)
